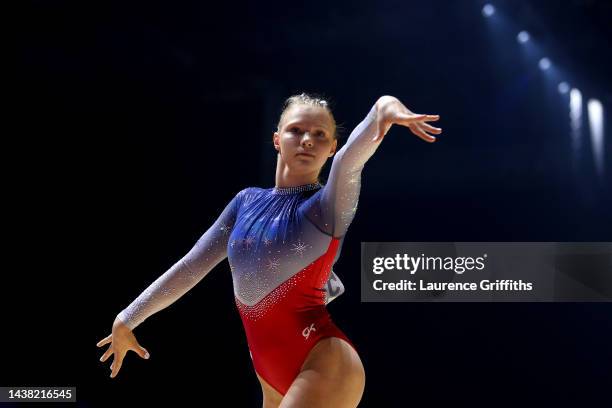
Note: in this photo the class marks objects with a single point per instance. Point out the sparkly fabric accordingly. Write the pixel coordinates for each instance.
(270, 235)
(296, 189)
(284, 326)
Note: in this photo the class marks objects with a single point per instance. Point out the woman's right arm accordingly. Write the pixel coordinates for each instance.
(208, 251)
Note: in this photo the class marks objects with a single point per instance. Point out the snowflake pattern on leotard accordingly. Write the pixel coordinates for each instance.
(269, 235)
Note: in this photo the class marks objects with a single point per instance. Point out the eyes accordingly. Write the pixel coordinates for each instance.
(297, 130)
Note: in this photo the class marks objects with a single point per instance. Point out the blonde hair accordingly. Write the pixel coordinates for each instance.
(310, 100)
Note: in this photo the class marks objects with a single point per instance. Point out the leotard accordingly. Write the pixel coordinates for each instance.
(281, 244)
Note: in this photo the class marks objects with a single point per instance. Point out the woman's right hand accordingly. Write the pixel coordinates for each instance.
(121, 341)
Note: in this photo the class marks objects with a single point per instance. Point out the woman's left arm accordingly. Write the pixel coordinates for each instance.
(339, 197)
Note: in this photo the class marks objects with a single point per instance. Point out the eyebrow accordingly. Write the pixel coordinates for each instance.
(297, 122)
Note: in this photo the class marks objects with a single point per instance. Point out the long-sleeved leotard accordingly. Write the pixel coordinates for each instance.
(281, 244)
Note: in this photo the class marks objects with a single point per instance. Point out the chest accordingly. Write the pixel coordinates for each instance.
(267, 222)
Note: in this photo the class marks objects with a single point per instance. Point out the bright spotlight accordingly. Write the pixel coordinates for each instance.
(544, 64)
(522, 37)
(563, 88)
(575, 105)
(575, 100)
(597, 135)
(488, 10)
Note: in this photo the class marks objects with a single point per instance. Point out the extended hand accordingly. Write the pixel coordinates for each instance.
(122, 340)
(391, 111)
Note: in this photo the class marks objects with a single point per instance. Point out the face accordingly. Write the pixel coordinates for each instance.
(305, 129)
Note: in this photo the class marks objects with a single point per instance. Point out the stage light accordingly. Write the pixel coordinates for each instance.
(522, 37)
(488, 10)
(595, 110)
(563, 88)
(575, 105)
(544, 64)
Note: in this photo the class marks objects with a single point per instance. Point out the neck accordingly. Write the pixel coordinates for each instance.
(285, 178)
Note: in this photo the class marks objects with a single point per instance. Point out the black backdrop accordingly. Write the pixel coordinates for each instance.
(137, 123)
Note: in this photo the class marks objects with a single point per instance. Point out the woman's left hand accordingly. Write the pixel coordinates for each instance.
(391, 111)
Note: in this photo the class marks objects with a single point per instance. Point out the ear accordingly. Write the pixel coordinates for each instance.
(276, 141)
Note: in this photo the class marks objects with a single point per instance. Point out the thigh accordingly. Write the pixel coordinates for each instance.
(332, 375)
(271, 397)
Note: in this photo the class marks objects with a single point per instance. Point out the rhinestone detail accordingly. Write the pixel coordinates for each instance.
(260, 309)
(296, 189)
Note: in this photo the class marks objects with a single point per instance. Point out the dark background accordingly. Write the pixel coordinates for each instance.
(137, 122)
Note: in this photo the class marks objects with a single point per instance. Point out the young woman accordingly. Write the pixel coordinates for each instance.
(281, 243)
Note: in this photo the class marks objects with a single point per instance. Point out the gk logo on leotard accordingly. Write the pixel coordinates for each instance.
(307, 330)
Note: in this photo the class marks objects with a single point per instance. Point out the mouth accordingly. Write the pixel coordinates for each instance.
(305, 154)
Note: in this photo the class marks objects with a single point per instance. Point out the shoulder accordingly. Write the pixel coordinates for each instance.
(310, 200)
(253, 190)
(249, 193)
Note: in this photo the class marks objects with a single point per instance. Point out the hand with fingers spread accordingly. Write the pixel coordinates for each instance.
(391, 111)
(121, 341)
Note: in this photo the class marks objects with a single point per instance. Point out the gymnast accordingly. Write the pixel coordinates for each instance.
(281, 243)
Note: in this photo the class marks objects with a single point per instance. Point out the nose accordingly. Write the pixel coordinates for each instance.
(307, 140)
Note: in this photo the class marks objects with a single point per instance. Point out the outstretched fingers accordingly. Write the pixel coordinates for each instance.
(142, 352)
(105, 340)
(106, 354)
(408, 118)
(417, 125)
(116, 365)
(430, 129)
(414, 121)
(421, 133)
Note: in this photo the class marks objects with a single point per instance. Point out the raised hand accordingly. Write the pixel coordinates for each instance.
(121, 341)
(391, 111)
